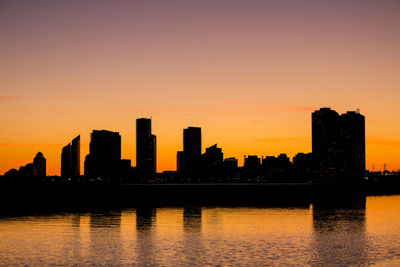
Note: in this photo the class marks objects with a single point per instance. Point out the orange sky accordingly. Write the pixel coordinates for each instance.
(249, 73)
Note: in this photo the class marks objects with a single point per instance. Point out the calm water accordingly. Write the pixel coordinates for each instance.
(248, 236)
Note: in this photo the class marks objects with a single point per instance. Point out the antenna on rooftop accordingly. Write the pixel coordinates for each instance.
(358, 110)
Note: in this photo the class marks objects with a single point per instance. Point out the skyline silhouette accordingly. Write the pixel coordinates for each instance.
(338, 152)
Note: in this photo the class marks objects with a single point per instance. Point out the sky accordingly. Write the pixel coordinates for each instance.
(249, 73)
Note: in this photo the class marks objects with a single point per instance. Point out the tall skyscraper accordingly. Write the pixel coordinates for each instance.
(338, 144)
(39, 164)
(146, 148)
(325, 142)
(353, 144)
(104, 155)
(76, 156)
(66, 161)
(192, 140)
(188, 160)
(70, 159)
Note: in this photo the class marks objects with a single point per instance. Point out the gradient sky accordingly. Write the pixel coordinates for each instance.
(248, 72)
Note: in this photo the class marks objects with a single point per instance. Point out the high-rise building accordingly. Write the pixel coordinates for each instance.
(104, 155)
(325, 142)
(70, 159)
(192, 140)
(352, 144)
(66, 161)
(188, 160)
(338, 144)
(39, 164)
(146, 148)
(212, 163)
(76, 156)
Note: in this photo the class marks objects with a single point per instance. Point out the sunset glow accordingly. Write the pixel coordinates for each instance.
(249, 73)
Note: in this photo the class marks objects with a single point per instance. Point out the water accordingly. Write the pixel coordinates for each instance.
(177, 236)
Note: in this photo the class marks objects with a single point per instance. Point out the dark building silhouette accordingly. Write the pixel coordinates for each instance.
(352, 144)
(39, 164)
(230, 169)
(211, 163)
(251, 168)
(145, 148)
(302, 167)
(192, 140)
(71, 159)
(338, 144)
(104, 155)
(277, 168)
(66, 161)
(188, 160)
(325, 142)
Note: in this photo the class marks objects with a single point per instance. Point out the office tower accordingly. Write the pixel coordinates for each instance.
(192, 140)
(66, 161)
(146, 148)
(104, 154)
(76, 156)
(352, 144)
(302, 166)
(326, 142)
(211, 162)
(70, 159)
(338, 144)
(251, 167)
(188, 160)
(39, 164)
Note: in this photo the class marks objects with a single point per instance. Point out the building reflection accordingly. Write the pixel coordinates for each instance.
(193, 248)
(105, 225)
(145, 218)
(339, 232)
(192, 219)
(145, 223)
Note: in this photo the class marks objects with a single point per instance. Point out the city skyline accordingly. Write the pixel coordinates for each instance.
(338, 150)
(248, 73)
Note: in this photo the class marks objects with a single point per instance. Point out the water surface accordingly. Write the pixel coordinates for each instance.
(365, 234)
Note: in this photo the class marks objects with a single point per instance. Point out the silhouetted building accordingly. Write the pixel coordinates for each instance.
(66, 161)
(325, 142)
(39, 164)
(230, 167)
(251, 167)
(302, 166)
(27, 172)
(192, 140)
(145, 148)
(338, 144)
(70, 159)
(211, 164)
(277, 168)
(104, 154)
(352, 144)
(188, 160)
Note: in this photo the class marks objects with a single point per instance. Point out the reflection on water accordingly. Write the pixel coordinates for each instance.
(363, 233)
(340, 233)
(192, 219)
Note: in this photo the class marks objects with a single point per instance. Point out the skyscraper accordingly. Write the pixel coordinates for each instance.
(192, 140)
(66, 161)
(70, 159)
(338, 144)
(104, 155)
(188, 160)
(39, 164)
(145, 148)
(325, 142)
(353, 144)
(76, 156)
